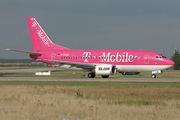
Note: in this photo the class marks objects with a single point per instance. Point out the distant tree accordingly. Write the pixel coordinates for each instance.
(176, 59)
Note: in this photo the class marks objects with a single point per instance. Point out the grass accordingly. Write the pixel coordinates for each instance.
(136, 102)
(57, 101)
(13, 66)
(92, 84)
(80, 74)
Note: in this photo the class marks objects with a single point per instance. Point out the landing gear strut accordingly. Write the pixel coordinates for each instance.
(91, 75)
(153, 76)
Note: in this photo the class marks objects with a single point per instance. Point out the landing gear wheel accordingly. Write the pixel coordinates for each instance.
(91, 75)
(105, 76)
(153, 76)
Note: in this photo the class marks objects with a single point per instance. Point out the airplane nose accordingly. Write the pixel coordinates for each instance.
(170, 62)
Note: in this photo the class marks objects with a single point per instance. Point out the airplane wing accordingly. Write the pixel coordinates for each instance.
(27, 52)
(73, 64)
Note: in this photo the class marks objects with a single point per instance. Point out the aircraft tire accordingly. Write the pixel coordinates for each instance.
(153, 76)
(105, 76)
(91, 75)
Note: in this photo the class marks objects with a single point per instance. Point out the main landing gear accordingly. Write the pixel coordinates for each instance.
(91, 75)
(153, 76)
(105, 76)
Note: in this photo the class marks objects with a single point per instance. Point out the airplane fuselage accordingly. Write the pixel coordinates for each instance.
(124, 60)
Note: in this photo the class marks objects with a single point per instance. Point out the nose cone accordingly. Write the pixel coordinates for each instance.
(170, 62)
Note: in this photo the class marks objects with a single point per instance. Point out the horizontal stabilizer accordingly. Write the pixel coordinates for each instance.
(27, 52)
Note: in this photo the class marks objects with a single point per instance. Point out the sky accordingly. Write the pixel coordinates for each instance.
(92, 24)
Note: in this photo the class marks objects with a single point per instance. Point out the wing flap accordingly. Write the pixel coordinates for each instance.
(73, 64)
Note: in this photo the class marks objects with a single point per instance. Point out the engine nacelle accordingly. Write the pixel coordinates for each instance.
(130, 73)
(158, 71)
(105, 70)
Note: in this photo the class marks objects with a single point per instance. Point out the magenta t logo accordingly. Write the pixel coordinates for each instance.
(86, 56)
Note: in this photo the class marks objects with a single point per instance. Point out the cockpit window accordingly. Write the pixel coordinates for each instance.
(160, 56)
(164, 56)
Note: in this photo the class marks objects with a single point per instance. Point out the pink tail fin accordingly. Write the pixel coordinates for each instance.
(40, 40)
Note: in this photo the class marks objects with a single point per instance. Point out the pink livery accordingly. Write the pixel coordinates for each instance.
(98, 62)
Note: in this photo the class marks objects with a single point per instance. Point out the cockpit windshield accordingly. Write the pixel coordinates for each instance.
(160, 56)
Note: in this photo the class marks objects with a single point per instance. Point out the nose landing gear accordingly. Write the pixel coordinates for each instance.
(156, 72)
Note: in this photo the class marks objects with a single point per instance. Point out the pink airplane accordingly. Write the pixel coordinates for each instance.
(98, 62)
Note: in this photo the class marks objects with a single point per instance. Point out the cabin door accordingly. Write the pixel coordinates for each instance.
(146, 58)
(53, 55)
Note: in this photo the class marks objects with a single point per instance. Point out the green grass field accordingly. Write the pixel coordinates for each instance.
(75, 74)
(92, 84)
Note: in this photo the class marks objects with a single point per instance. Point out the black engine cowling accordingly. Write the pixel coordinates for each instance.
(130, 73)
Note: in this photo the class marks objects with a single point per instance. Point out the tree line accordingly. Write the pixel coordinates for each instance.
(176, 59)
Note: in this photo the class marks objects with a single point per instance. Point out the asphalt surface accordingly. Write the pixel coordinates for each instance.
(90, 79)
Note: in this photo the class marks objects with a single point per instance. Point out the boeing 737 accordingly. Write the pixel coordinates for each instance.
(102, 62)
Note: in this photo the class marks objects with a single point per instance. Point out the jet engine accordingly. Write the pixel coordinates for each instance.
(105, 70)
(130, 73)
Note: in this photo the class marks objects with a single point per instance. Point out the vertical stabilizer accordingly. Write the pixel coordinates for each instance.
(40, 40)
